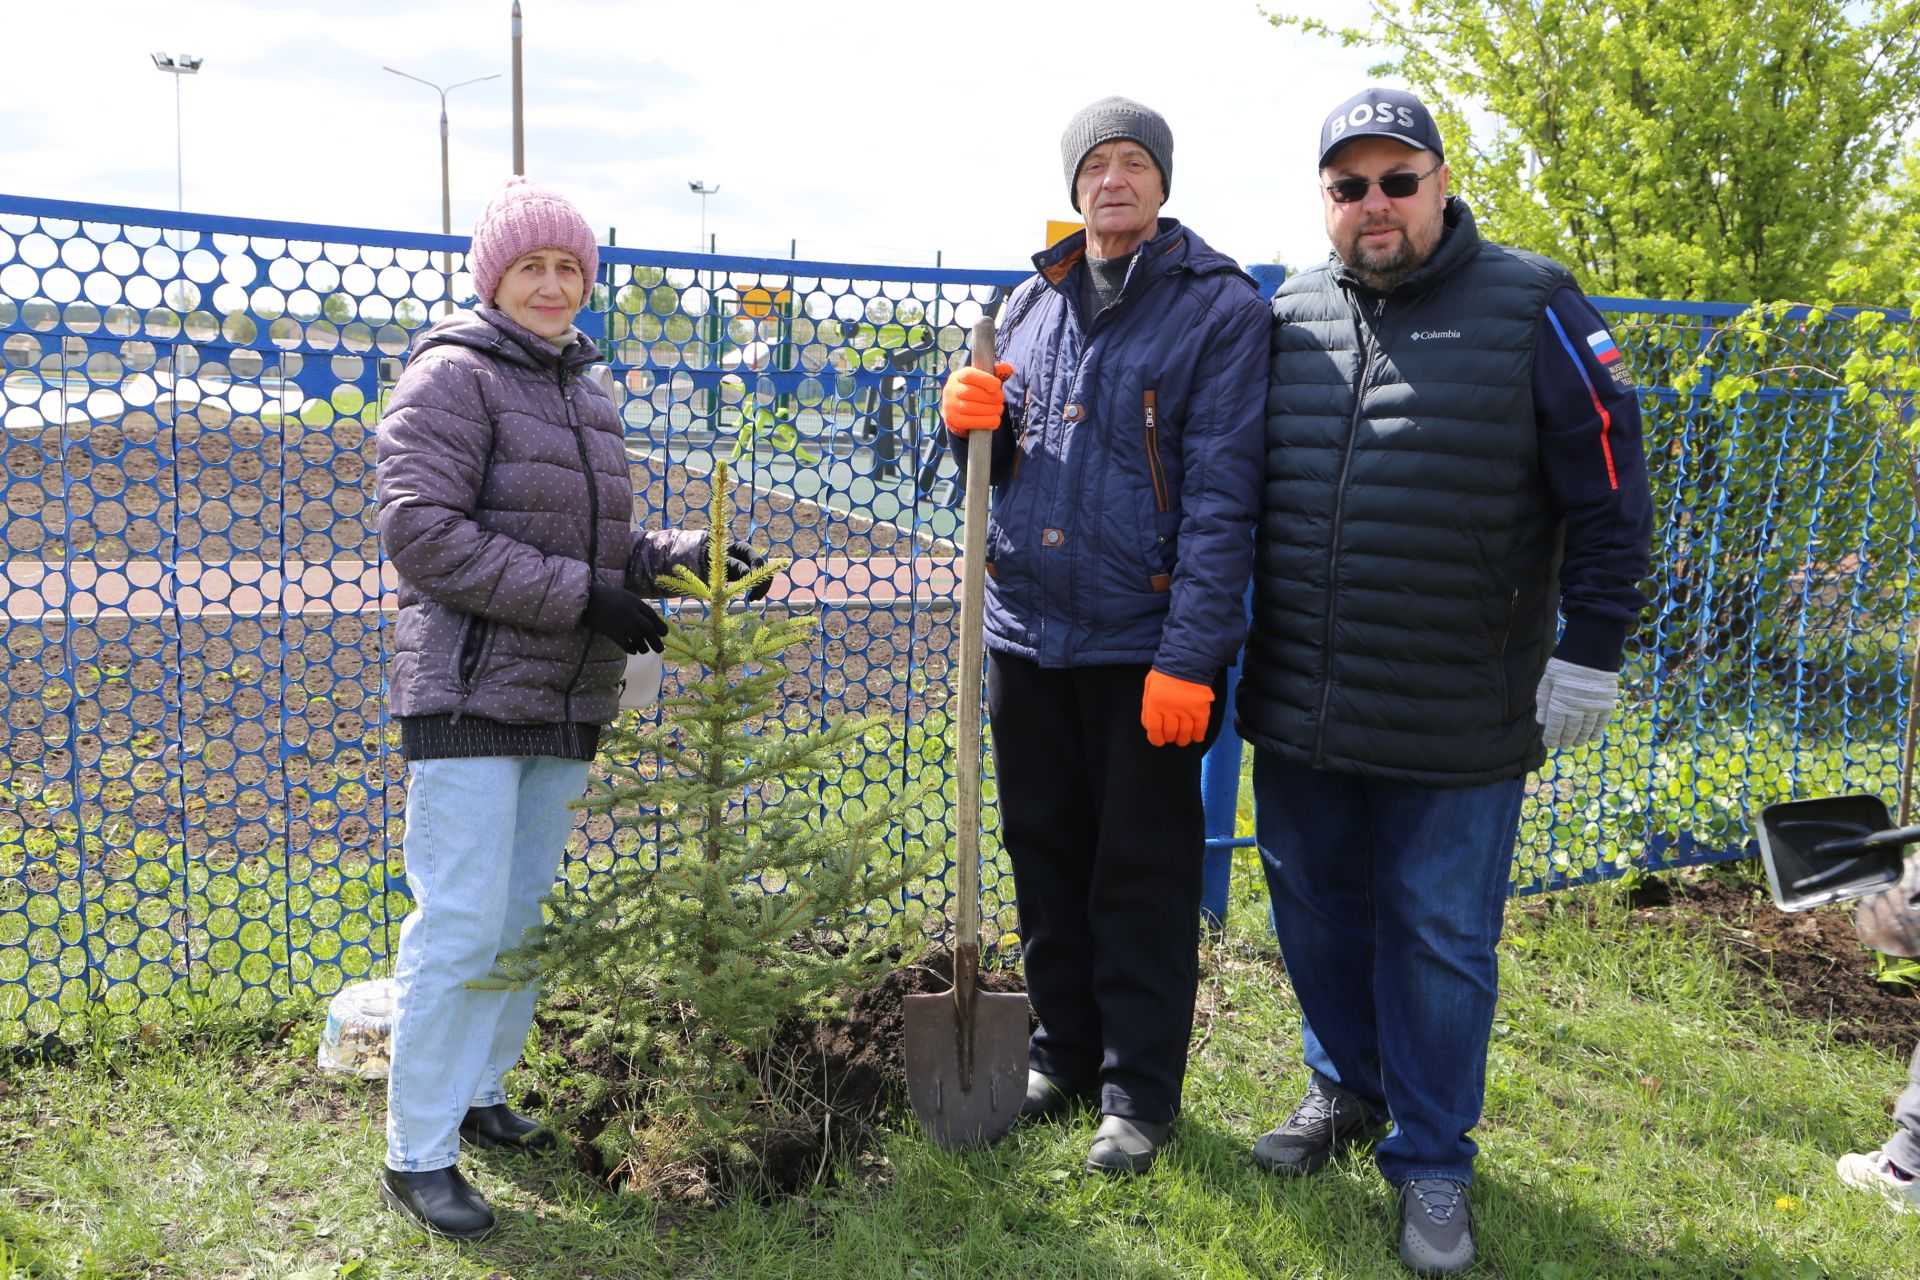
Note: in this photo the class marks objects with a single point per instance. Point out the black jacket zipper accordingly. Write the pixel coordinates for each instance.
(593, 532)
(1366, 336)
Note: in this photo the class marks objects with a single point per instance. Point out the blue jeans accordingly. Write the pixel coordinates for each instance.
(1388, 899)
(484, 839)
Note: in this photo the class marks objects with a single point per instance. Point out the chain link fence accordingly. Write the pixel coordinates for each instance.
(200, 799)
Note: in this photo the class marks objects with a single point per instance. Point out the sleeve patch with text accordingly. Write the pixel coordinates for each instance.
(1609, 355)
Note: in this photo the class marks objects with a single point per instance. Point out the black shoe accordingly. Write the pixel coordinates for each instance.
(1126, 1146)
(1326, 1120)
(1047, 1096)
(501, 1126)
(441, 1201)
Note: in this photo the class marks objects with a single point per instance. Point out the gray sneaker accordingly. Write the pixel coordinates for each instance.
(1326, 1120)
(1436, 1226)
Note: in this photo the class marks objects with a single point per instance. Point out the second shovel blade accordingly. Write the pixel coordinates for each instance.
(981, 1111)
(1797, 837)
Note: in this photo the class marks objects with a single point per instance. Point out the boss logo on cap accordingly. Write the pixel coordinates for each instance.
(1366, 113)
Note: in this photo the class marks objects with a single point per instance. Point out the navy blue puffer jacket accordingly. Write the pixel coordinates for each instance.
(1127, 474)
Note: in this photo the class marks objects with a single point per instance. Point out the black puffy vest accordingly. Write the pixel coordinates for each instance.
(1406, 576)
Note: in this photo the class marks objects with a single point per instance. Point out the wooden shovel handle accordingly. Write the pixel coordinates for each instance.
(973, 600)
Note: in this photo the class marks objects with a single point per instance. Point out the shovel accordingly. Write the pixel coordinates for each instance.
(1830, 849)
(966, 1049)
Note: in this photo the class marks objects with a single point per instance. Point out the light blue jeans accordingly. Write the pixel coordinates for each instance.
(484, 840)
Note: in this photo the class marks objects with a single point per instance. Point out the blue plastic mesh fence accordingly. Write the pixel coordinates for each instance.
(1772, 663)
(199, 796)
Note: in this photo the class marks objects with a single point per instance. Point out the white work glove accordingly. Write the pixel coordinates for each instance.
(1574, 703)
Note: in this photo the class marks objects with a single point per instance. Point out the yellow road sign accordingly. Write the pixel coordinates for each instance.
(1058, 231)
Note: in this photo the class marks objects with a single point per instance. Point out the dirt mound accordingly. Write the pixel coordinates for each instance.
(841, 1078)
(852, 1069)
(1822, 971)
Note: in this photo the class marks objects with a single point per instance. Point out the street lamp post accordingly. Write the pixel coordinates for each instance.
(446, 182)
(183, 65)
(702, 190)
(519, 135)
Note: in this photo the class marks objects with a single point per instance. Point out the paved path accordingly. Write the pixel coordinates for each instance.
(36, 589)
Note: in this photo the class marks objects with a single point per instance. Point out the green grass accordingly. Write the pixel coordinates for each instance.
(1646, 1116)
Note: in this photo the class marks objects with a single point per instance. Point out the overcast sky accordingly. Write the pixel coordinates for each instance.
(866, 131)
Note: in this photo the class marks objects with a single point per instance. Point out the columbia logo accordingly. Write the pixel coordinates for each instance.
(1428, 335)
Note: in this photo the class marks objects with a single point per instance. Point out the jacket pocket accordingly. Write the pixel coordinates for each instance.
(1020, 432)
(1156, 469)
(474, 635)
(1513, 697)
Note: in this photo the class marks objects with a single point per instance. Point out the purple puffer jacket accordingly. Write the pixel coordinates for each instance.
(503, 477)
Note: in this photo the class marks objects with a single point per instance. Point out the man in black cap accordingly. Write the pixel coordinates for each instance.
(1453, 462)
(1124, 421)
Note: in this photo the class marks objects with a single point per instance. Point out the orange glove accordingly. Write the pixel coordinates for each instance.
(973, 399)
(1174, 711)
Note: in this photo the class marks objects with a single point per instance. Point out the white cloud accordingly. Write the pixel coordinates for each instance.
(862, 130)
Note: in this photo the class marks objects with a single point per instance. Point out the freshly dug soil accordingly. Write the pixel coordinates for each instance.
(848, 1069)
(1816, 966)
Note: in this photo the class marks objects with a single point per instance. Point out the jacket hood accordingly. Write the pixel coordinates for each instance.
(1172, 248)
(1459, 241)
(492, 331)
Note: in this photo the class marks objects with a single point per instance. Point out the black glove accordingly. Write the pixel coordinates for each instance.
(625, 619)
(742, 560)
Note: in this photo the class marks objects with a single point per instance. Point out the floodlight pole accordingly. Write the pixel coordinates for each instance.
(519, 133)
(183, 65)
(702, 190)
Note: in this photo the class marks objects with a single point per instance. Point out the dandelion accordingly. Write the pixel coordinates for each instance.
(1787, 1204)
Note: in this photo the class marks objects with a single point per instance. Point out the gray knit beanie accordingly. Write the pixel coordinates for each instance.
(1112, 118)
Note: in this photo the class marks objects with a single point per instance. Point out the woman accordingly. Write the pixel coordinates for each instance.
(506, 509)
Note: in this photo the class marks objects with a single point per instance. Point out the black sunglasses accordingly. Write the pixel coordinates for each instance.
(1395, 186)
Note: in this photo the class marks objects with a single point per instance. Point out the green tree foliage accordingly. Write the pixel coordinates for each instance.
(1686, 149)
(1887, 243)
(684, 965)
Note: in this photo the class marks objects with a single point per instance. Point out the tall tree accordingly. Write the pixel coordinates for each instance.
(1662, 148)
(1883, 268)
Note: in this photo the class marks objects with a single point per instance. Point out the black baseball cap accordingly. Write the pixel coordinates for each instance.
(1377, 112)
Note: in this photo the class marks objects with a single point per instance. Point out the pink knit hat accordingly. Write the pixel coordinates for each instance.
(521, 217)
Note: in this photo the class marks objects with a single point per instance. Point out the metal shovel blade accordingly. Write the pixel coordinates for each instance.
(1829, 849)
(966, 1083)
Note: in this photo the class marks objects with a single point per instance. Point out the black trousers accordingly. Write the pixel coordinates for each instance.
(1106, 833)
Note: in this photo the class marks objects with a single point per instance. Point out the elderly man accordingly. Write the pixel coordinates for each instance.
(1453, 462)
(1125, 423)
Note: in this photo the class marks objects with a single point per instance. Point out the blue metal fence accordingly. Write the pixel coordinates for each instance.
(199, 795)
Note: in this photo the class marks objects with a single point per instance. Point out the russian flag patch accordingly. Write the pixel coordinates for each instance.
(1603, 349)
